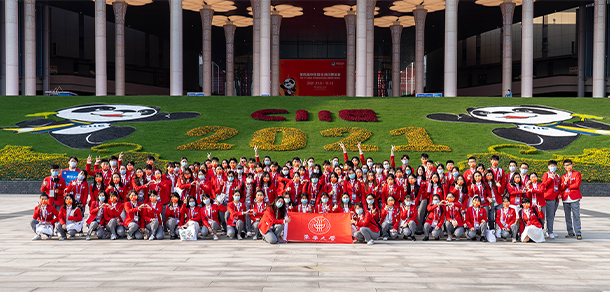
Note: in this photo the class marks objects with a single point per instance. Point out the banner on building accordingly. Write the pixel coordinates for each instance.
(321, 228)
(312, 77)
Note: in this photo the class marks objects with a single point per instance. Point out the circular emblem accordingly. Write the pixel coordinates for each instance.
(319, 225)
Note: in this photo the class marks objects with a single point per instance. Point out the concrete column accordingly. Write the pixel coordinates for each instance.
(396, 30)
(420, 24)
(599, 48)
(371, 75)
(206, 53)
(451, 7)
(582, 16)
(527, 48)
(29, 66)
(230, 43)
(11, 26)
(175, 48)
(508, 9)
(265, 47)
(101, 75)
(276, 22)
(350, 66)
(120, 9)
(361, 48)
(46, 48)
(256, 50)
(2, 52)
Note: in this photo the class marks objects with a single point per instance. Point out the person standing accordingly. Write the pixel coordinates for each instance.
(570, 190)
(551, 182)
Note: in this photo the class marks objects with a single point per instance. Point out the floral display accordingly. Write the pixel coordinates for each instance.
(292, 139)
(211, 142)
(419, 140)
(324, 116)
(358, 115)
(104, 147)
(263, 115)
(356, 135)
(302, 115)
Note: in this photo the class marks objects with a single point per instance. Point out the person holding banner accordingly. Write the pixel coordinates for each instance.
(54, 186)
(272, 223)
(45, 216)
(408, 218)
(345, 206)
(367, 229)
(70, 219)
(325, 205)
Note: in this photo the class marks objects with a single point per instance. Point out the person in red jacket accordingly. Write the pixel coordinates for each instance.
(325, 205)
(271, 225)
(454, 225)
(535, 191)
(498, 174)
(304, 206)
(494, 199)
(334, 189)
(408, 218)
(367, 229)
(237, 216)
(44, 217)
(476, 220)
(96, 221)
(210, 213)
(186, 184)
(54, 186)
(112, 216)
(506, 221)
(435, 218)
(478, 189)
(552, 183)
(191, 214)
(460, 190)
(314, 188)
(125, 177)
(117, 186)
(517, 191)
(372, 207)
(258, 208)
(172, 213)
(390, 218)
(345, 206)
(79, 189)
(152, 217)
(413, 190)
(391, 189)
(353, 187)
(141, 184)
(571, 196)
(134, 219)
(531, 219)
(70, 219)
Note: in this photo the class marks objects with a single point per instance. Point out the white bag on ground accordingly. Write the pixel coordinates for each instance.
(490, 235)
(76, 225)
(46, 229)
(188, 234)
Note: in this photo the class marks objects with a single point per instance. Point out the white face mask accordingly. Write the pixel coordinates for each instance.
(249, 180)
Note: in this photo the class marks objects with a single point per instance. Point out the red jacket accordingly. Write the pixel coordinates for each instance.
(60, 186)
(300, 208)
(106, 174)
(531, 219)
(131, 212)
(143, 188)
(343, 210)
(536, 194)
(469, 176)
(409, 213)
(121, 191)
(94, 209)
(190, 214)
(173, 179)
(435, 213)
(366, 220)
(322, 208)
(314, 192)
(186, 187)
(268, 220)
(172, 211)
(79, 191)
(225, 192)
(440, 190)
(236, 212)
(479, 190)
(394, 214)
(48, 214)
(500, 177)
(259, 209)
(354, 189)
(370, 188)
(126, 180)
(551, 186)
(295, 190)
(204, 187)
(454, 213)
(75, 215)
(505, 217)
(270, 192)
(374, 211)
(335, 197)
(394, 191)
(474, 217)
(153, 213)
(459, 194)
(94, 190)
(211, 213)
(494, 192)
(163, 190)
(571, 188)
(114, 212)
(416, 193)
(247, 197)
(517, 193)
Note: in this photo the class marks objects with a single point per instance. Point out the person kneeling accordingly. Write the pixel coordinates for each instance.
(70, 219)
(506, 221)
(367, 229)
(44, 218)
(475, 220)
(531, 222)
(454, 225)
(272, 223)
(408, 218)
(434, 222)
(391, 217)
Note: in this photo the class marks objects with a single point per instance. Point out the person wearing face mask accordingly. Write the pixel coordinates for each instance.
(571, 196)
(290, 204)
(552, 183)
(96, 220)
(271, 225)
(191, 216)
(367, 230)
(184, 162)
(224, 193)
(152, 217)
(372, 207)
(314, 188)
(460, 191)
(248, 189)
(210, 213)
(237, 217)
(353, 188)
(186, 184)
(413, 190)
(79, 188)
(112, 216)
(390, 217)
(506, 221)
(535, 191)
(517, 191)
(478, 189)
(404, 159)
(203, 186)
(172, 213)
(70, 219)
(134, 219)
(390, 189)
(304, 206)
(449, 177)
(454, 225)
(494, 199)
(258, 208)
(434, 219)
(531, 221)
(498, 174)
(140, 183)
(334, 189)
(44, 218)
(54, 186)
(72, 165)
(408, 218)
(294, 187)
(345, 206)
(476, 220)
(325, 205)
(125, 178)
(240, 176)
(523, 169)
(171, 175)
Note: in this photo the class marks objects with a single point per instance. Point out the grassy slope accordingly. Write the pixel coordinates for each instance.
(164, 137)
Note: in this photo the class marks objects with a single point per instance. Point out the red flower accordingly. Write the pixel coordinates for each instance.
(263, 115)
(358, 115)
(324, 116)
(302, 115)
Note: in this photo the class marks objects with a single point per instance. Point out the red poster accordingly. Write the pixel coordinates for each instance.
(322, 228)
(312, 77)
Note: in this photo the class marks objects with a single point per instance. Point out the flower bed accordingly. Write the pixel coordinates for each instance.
(104, 147)
(358, 115)
(302, 115)
(351, 142)
(262, 115)
(419, 141)
(293, 139)
(211, 142)
(324, 116)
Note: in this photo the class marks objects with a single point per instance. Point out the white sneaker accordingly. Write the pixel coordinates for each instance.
(249, 234)
(69, 236)
(546, 234)
(37, 237)
(215, 237)
(152, 237)
(87, 238)
(61, 238)
(112, 237)
(239, 237)
(514, 240)
(385, 238)
(449, 238)
(254, 237)
(552, 236)
(129, 237)
(371, 242)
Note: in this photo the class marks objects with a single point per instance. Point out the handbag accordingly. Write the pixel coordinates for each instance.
(76, 225)
(44, 228)
(490, 235)
(188, 234)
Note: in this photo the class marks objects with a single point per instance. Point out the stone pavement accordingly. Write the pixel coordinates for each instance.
(103, 265)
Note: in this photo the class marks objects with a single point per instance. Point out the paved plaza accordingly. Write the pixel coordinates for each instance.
(104, 265)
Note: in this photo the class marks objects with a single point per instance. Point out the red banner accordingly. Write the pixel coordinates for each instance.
(322, 228)
(312, 77)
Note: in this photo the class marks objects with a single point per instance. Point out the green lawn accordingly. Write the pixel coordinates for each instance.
(234, 112)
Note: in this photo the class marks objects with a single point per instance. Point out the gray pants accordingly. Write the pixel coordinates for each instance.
(455, 231)
(365, 234)
(514, 230)
(215, 228)
(33, 224)
(429, 229)
(273, 234)
(133, 230)
(115, 230)
(248, 224)
(171, 224)
(572, 209)
(255, 228)
(239, 226)
(422, 212)
(223, 217)
(385, 231)
(94, 226)
(63, 232)
(410, 229)
(472, 234)
(549, 214)
(491, 215)
(156, 230)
